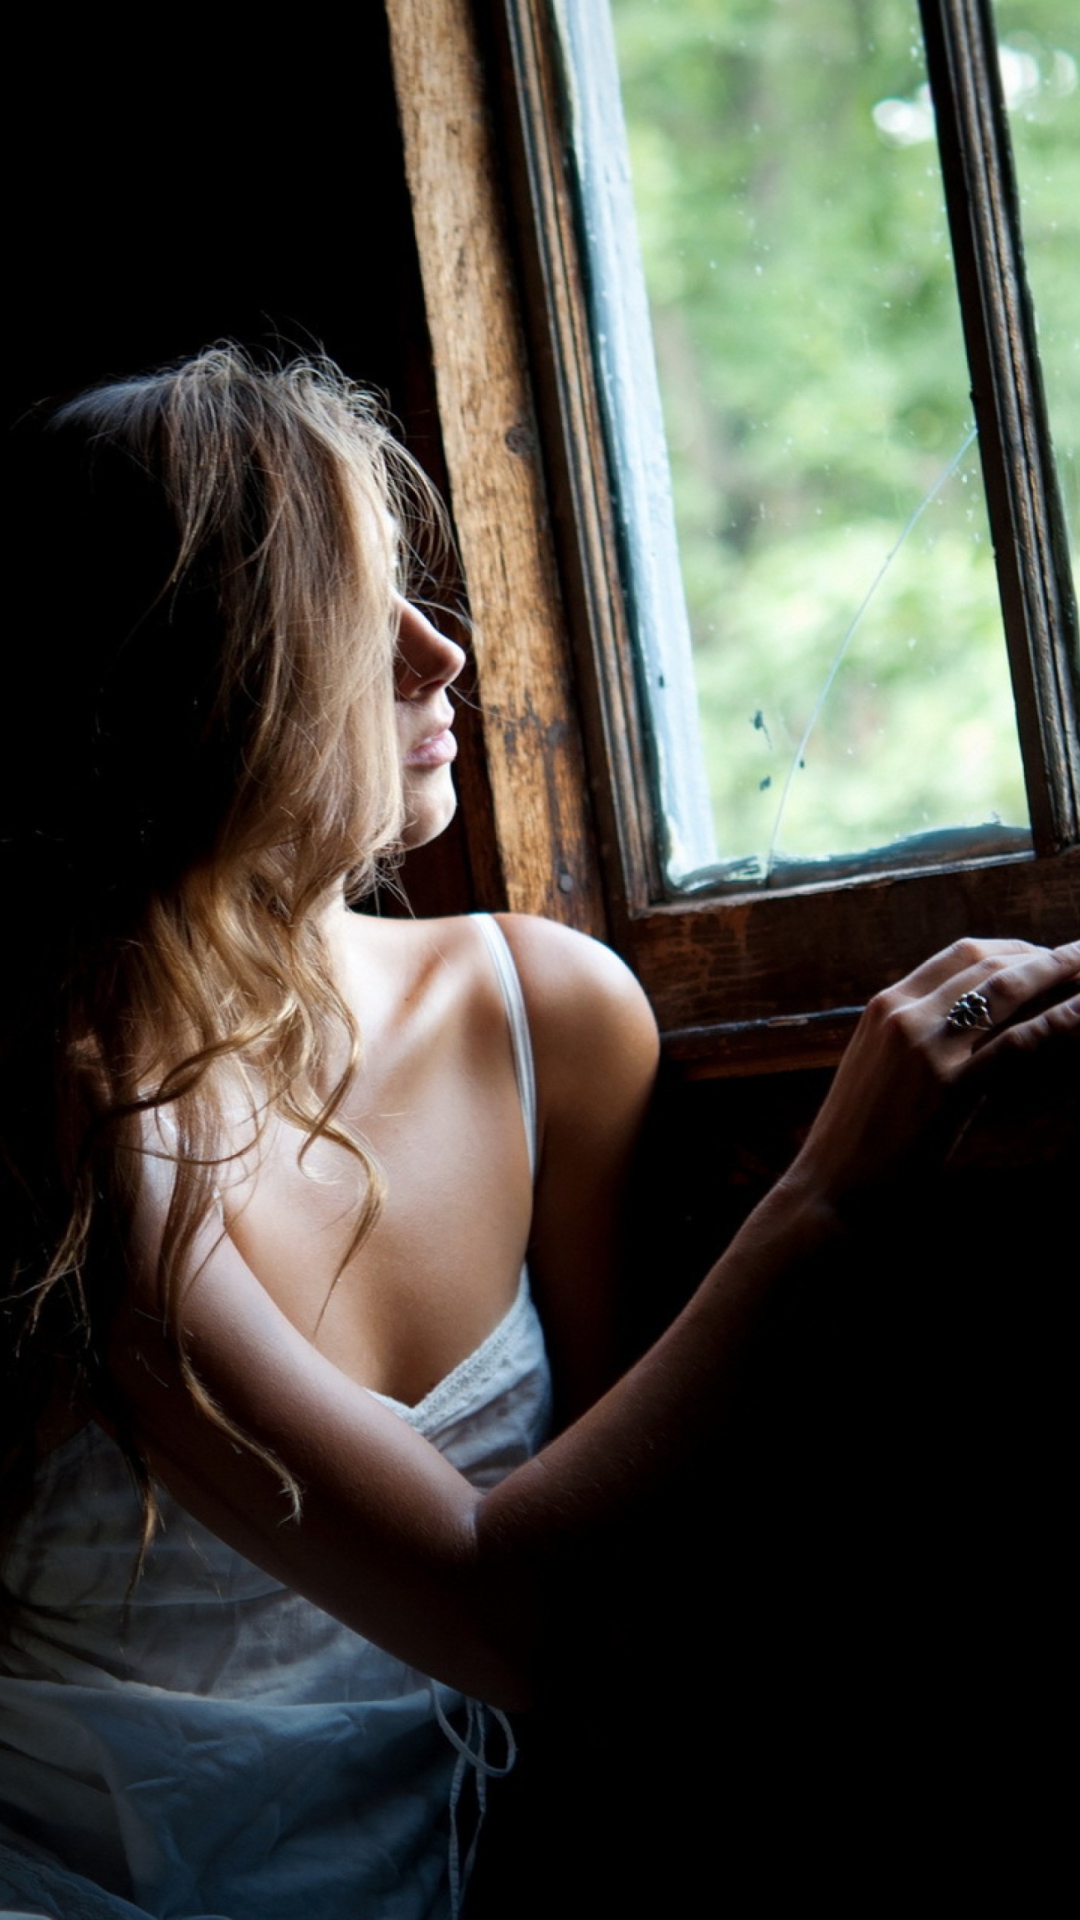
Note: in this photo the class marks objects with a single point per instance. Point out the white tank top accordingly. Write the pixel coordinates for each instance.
(215, 1745)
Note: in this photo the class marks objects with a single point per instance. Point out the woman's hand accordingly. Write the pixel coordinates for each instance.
(909, 1077)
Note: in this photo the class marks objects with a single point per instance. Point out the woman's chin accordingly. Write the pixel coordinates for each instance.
(429, 808)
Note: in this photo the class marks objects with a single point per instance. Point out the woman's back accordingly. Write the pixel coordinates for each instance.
(436, 1101)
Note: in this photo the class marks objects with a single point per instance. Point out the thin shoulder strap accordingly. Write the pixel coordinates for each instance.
(518, 1021)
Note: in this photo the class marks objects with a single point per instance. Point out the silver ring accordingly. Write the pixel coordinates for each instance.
(971, 1010)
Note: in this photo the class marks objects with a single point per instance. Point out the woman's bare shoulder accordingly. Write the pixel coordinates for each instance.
(593, 1032)
(584, 1003)
(569, 979)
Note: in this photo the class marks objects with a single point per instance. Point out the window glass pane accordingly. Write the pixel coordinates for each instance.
(847, 642)
(1039, 43)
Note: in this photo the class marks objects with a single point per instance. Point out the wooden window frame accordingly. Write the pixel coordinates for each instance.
(764, 980)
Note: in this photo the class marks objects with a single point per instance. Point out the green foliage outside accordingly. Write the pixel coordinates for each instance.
(815, 391)
(1045, 129)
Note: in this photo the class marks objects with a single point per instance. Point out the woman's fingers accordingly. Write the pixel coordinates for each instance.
(955, 999)
(969, 956)
(912, 1055)
(1032, 1003)
(991, 993)
(1007, 984)
(970, 991)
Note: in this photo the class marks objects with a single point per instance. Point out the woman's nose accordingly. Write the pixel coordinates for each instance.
(426, 658)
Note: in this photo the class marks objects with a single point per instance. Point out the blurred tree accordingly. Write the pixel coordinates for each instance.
(815, 392)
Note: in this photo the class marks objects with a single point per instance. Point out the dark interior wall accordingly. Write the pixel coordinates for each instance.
(184, 186)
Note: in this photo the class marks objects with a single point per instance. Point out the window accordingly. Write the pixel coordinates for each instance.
(753, 979)
(852, 681)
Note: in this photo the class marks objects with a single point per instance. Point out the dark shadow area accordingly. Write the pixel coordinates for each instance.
(852, 1697)
(182, 186)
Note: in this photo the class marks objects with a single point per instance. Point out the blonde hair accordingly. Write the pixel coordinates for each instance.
(205, 746)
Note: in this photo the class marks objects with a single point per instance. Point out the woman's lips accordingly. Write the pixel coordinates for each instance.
(435, 750)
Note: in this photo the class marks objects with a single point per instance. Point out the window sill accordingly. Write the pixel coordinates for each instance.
(768, 981)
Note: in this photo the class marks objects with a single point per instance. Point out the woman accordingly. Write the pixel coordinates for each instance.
(278, 1395)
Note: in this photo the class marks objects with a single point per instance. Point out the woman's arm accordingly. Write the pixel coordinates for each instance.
(596, 1051)
(391, 1539)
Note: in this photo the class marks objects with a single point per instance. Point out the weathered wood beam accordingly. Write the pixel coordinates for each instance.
(545, 852)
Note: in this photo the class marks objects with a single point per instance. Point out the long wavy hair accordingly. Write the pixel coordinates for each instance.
(201, 743)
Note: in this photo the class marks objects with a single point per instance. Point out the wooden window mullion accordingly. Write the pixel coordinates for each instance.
(1023, 501)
